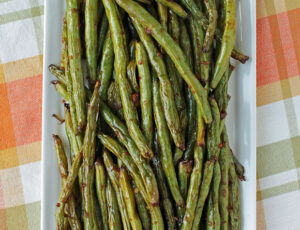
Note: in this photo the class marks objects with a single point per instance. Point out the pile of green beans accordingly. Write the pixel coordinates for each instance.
(145, 123)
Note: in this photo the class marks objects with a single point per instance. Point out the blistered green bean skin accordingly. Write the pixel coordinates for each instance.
(89, 142)
(163, 15)
(67, 189)
(234, 198)
(224, 160)
(174, 7)
(91, 25)
(210, 32)
(228, 40)
(215, 190)
(100, 183)
(114, 219)
(166, 91)
(103, 31)
(145, 91)
(64, 41)
(145, 169)
(113, 173)
(172, 49)
(61, 89)
(204, 190)
(74, 51)
(121, 59)
(114, 99)
(195, 180)
(142, 208)
(129, 200)
(131, 75)
(106, 67)
(213, 133)
(62, 164)
(163, 187)
(165, 145)
(184, 173)
(57, 72)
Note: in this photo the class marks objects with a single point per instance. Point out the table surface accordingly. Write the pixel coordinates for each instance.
(278, 113)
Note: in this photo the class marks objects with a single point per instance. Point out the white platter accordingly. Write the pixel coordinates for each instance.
(241, 121)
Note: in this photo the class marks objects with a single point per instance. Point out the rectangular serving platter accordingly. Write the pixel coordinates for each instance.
(241, 121)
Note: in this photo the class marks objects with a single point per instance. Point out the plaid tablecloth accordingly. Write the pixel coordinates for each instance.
(278, 114)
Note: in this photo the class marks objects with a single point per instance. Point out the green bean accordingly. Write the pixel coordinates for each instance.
(163, 187)
(67, 188)
(185, 42)
(131, 74)
(195, 179)
(179, 99)
(210, 32)
(166, 91)
(195, 11)
(121, 59)
(177, 156)
(197, 35)
(163, 15)
(74, 52)
(238, 55)
(165, 145)
(64, 41)
(176, 79)
(234, 197)
(114, 99)
(213, 133)
(173, 50)
(239, 168)
(88, 170)
(192, 126)
(61, 89)
(134, 156)
(215, 191)
(114, 219)
(103, 33)
(70, 212)
(210, 224)
(59, 73)
(174, 7)
(223, 191)
(145, 91)
(184, 173)
(69, 131)
(204, 190)
(91, 24)
(62, 164)
(101, 180)
(129, 200)
(68, 81)
(113, 173)
(145, 169)
(106, 67)
(227, 45)
(142, 208)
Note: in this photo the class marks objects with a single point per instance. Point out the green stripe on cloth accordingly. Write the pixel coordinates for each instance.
(278, 190)
(276, 157)
(22, 14)
(2, 1)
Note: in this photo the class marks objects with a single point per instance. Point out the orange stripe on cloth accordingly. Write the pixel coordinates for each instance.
(24, 68)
